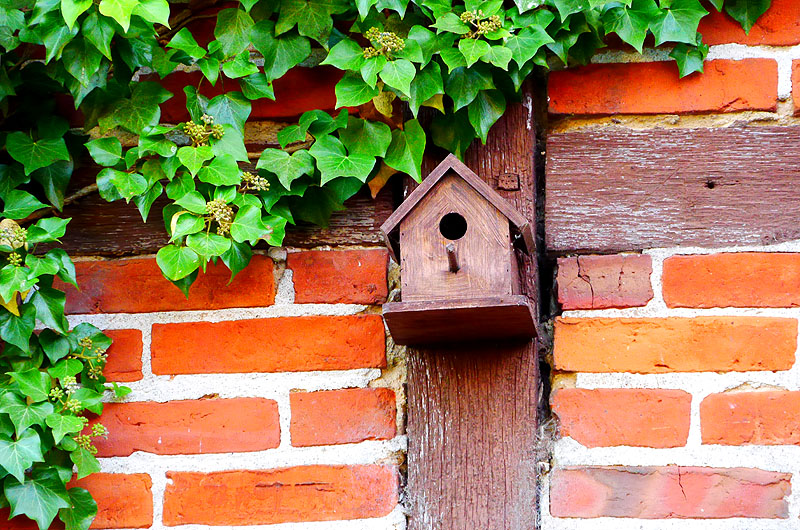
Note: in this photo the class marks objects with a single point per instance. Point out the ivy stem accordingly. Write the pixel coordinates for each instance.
(80, 194)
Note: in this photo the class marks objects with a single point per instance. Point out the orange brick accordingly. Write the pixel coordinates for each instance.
(342, 276)
(796, 86)
(621, 416)
(746, 279)
(779, 26)
(137, 286)
(342, 416)
(269, 345)
(308, 493)
(675, 492)
(601, 282)
(742, 418)
(659, 345)
(654, 88)
(190, 427)
(124, 356)
(123, 501)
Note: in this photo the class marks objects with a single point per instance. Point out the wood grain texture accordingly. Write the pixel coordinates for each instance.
(617, 189)
(473, 406)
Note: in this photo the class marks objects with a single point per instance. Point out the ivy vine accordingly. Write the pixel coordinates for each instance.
(80, 86)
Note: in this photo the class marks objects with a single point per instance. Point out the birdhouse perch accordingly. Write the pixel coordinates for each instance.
(456, 240)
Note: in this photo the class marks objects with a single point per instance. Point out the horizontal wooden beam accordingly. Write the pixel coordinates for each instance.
(616, 189)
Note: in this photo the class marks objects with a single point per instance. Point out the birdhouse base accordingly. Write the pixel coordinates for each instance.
(501, 317)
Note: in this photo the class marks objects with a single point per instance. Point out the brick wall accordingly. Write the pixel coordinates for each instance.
(676, 387)
(269, 400)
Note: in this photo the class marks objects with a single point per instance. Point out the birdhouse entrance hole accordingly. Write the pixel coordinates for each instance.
(453, 226)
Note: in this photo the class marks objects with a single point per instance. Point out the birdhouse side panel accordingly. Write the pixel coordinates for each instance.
(483, 253)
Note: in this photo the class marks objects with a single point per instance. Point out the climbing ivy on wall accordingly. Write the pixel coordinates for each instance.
(80, 86)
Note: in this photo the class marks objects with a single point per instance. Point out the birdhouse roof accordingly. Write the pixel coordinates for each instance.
(451, 163)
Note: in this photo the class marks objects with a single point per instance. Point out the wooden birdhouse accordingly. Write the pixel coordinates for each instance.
(456, 240)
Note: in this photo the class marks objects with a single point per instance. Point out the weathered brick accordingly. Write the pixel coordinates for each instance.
(190, 427)
(740, 279)
(796, 86)
(760, 418)
(655, 88)
(124, 356)
(123, 501)
(622, 416)
(669, 492)
(308, 493)
(658, 345)
(137, 286)
(269, 345)
(342, 276)
(601, 282)
(779, 26)
(342, 416)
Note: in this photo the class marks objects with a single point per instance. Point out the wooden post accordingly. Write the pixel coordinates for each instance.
(473, 407)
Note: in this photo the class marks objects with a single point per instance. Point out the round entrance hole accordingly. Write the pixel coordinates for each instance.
(453, 226)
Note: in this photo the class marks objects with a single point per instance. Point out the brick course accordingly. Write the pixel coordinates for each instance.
(335, 277)
(742, 418)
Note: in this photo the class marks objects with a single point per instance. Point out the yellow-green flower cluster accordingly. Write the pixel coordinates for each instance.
(385, 42)
(222, 213)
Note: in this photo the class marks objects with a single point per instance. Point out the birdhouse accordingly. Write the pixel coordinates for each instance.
(456, 240)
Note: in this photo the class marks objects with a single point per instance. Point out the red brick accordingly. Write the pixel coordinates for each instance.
(742, 418)
(190, 427)
(796, 86)
(342, 416)
(123, 501)
(601, 282)
(779, 26)
(124, 356)
(269, 345)
(137, 286)
(308, 493)
(659, 345)
(742, 279)
(621, 416)
(654, 88)
(671, 492)
(342, 276)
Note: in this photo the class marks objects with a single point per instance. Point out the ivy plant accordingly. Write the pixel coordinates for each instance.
(81, 85)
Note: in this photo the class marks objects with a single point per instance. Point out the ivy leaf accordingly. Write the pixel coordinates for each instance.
(485, 110)
(406, 150)
(631, 23)
(333, 161)
(185, 42)
(194, 157)
(678, 23)
(55, 36)
(276, 227)
(453, 58)
(237, 257)
(473, 50)
(81, 60)
(128, 185)
(248, 226)
(13, 280)
(464, 84)
(65, 368)
(99, 32)
(280, 53)
(49, 304)
(312, 17)
(527, 42)
(184, 223)
(287, 167)
(230, 108)
(34, 383)
(568, 7)
(55, 346)
(453, 132)
(119, 10)
(47, 230)
(54, 180)
(34, 155)
(222, 171)
(208, 245)
(17, 456)
(371, 68)
(257, 86)
(23, 415)
(450, 22)
(193, 201)
(85, 462)
(346, 55)
(233, 30)
(427, 84)
(17, 330)
(155, 11)
(81, 512)
(398, 74)
(177, 262)
(371, 138)
(20, 204)
(63, 425)
(240, 66)
(746, 12)
(139, 112)
(105, 151)
(352, 91)
(72, 9)
(39, 266)
(499, 56)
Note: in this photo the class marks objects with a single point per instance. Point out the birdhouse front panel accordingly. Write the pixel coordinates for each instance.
(456, 245)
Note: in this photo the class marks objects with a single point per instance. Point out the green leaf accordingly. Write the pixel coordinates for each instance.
(371, 138)
(233, 30)
(55, 36)
(312, 17)
(85, 462)
(452, 23)
(237, 257)
(257, 86)
(184, 223)
(34, 383)
(128, 185)
(406, 150)
(49, 304)
(527, 42)
(280, 53)
(17, 330)
(17, 456)
(453, 132)
(746, 12)
(63, 425)
(65, 368)
(498, 56)
(99, 31)
(119, 10)
(287, 167)
(678, 23)
(121, 391)
(222, 171)
(194, 157)
(473, 50)
(47, 230)
(177, 262)
(81, 512)
(346, 55)
(231, 143)
(485, 110)
(631, 23)
(193, 201)
(398, 74)
(155, 11)
(20, 204)
(352, 91)
(464, 84)
(39, 266)
(333, 161)
(426, 84)
(105, 151)
(453, 58)
(141, 111)
(276, 227)
(72, 9)
(230, 108)
(689, 58)
(247, 226)
(54, 180)
(55, 346)
(34, 155)
(240, 66)
(13, 280)
(371, 68)
(23, 415)
(208, 245)
(184, 41)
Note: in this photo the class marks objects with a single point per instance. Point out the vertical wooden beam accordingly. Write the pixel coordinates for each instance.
(473, 407)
